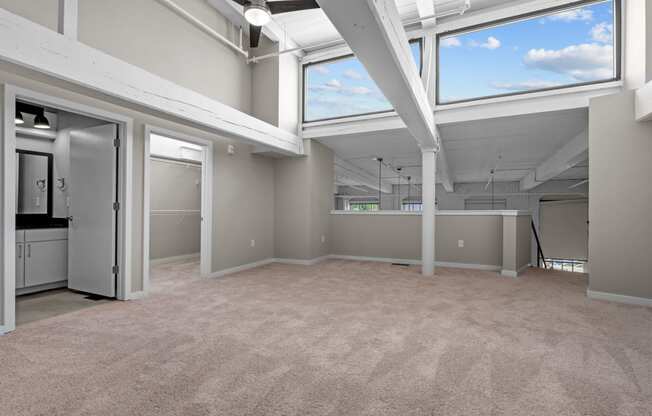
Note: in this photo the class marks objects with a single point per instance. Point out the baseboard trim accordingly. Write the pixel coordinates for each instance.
(137, 295)
(512, 273)
(376, 259)
(414, 262)
(614, 297)
(41, 288)
(173, 259)
(2, 330)
(222, 273)
(301, 262)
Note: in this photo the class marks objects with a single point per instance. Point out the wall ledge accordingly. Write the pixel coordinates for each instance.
(614, 297)
(502, 213)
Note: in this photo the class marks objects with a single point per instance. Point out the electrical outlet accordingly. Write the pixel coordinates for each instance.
(323, 238)
(460, 243)
(253, 243)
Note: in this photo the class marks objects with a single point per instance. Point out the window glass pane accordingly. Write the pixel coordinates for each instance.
(559, 49)
(342, 88)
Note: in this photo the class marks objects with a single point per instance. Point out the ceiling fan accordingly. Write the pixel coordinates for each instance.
(259, 12)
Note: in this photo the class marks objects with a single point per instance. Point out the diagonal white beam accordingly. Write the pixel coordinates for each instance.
(373, 30)
(36, 47)
(563, 159)
(344, 169)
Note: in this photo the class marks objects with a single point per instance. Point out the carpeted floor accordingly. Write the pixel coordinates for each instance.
(339, 338)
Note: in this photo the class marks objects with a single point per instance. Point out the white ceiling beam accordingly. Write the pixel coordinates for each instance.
(69, 18)
(443, 170)
(533, 103)
(373, 30)
(234, 13)
(644, 103)
(36, 47)
(426, 8)
(349, 173)
(563, 159)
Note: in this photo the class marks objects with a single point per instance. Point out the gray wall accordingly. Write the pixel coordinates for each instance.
(148, 34)
(563, 229)
(399, 237)
(43, 12)
(620, 201)
(175, 217)
(303, 200)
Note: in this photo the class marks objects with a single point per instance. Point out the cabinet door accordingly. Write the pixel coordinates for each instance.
(46, 262)
(20, 266)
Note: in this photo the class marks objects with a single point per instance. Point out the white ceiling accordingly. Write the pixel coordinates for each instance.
(512, 146)
(311, 27)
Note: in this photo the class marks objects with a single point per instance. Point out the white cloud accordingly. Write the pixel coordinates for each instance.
(452, 42)
(321, 69)
(585, 62)
(334, 84)
(524, 86)
(352, 74)
(602, 32)
(491, 43)
(574, 15)
(359, 90)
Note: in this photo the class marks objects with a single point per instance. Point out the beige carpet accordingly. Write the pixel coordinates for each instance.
(340, 338)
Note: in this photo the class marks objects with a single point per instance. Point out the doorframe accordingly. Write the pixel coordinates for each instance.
(206, 252)
(125, 181)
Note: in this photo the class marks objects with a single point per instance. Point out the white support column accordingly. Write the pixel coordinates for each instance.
(429, 169)
(68, 18)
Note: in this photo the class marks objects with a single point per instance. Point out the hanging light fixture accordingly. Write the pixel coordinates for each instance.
(19, 118)
(41, 122)
(257, 13)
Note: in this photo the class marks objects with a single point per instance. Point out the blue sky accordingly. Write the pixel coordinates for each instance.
(343, 87)
(569, 47)
(564, 48)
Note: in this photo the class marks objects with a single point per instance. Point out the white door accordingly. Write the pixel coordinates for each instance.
(92, 192)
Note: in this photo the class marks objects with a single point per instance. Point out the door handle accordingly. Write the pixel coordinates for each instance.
(29, 250)
(70, 219)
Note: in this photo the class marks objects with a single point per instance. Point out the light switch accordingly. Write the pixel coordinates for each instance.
(460, 243)
(253, 243)
(323, 238)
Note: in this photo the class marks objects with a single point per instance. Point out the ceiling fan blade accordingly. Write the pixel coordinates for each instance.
(287, 6)
(241, 2)
(254, 35)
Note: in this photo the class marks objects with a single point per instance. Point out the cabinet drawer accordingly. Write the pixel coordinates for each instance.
(46, 234)
(46, 262)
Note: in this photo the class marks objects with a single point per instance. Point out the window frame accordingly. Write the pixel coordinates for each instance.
(618, 48)
(305, 66)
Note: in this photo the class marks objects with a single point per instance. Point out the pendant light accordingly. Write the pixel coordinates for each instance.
(19, 118)
(41, 122)
(257, 14)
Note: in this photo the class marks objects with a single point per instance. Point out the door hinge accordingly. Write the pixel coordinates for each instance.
(116, 142)
(116, 206)
(115, 269)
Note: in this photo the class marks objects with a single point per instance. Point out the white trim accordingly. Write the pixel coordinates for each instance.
(3, 330)
(39, 288)
(206, 200)
(644, 103)
(137, 295)
(413, 262)
(488, 213)
(614, 297)
(300, 262)
(512, 273)
(174, 259)
(69, 18)
(125, 128)
(222, 273)
(36, 47)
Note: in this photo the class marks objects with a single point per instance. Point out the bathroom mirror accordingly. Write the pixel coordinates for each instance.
(34, 183)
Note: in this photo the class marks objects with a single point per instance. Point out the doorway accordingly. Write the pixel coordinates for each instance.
(177, 225)
(66, 206)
